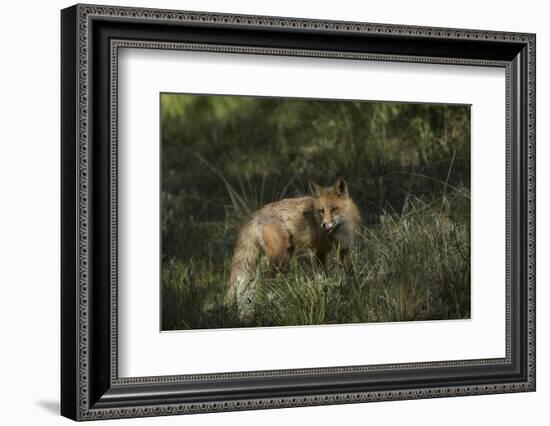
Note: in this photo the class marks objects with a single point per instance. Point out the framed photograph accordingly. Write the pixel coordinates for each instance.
(263, 212)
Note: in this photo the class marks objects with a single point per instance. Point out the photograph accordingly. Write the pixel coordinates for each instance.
(299, 212)
(264, 209)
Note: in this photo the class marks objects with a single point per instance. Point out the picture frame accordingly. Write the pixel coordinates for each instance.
(90, 384)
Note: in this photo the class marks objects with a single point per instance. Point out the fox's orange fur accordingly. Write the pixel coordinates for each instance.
(294, 226)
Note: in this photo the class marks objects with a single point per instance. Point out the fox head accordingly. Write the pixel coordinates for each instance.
(332, 205)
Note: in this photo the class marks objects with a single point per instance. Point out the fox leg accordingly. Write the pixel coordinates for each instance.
(276, 245)
(321, 251)
(345, 258)
(321, 257)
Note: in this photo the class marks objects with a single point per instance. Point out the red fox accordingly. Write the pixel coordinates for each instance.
(294, 226)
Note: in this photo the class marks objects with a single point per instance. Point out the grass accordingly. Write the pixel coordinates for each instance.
(412, 265)
(408, 170)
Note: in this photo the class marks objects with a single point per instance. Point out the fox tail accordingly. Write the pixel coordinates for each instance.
(243, 265)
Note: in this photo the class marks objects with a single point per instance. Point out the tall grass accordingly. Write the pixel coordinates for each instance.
(413, 265)
(408, 170)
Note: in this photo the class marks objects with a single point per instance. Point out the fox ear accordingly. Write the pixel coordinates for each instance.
(340, 187)
(315, 189)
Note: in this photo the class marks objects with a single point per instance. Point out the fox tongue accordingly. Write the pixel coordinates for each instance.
(328, 227)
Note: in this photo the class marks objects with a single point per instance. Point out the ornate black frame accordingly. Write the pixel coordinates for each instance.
(91, 37)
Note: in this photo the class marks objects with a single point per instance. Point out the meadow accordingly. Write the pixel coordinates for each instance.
(407, 167)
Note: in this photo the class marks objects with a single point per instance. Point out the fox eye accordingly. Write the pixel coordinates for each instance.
(334, 210)
(320, 211)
